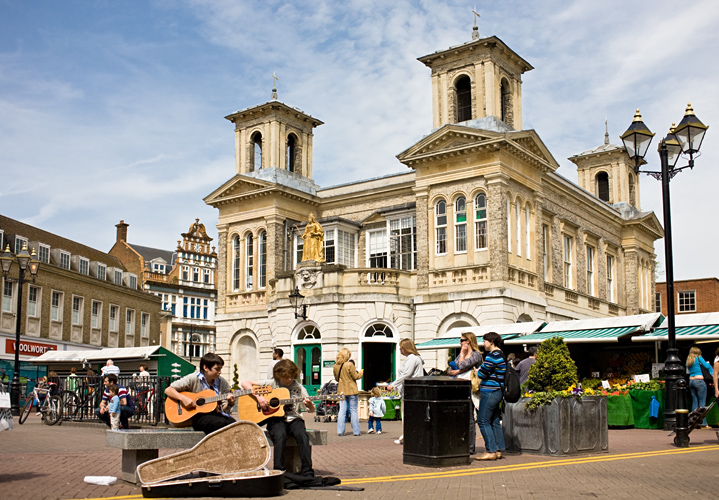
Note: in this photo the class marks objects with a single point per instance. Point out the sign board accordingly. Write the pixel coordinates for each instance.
(605, 384)
(656, 367)
(328, 364)
(644, 377)
(29, 348)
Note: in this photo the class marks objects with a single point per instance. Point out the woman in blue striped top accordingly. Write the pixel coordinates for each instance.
(489, 416)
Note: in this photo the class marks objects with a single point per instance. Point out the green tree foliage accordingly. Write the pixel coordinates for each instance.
(554, 369)
(235, 378)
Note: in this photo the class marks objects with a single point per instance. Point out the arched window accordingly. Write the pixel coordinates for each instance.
(308, 332)
(509, 225)
(256, 152)
(460, 225)
(291, 151)
(463, 88)
(249, 261)
(378, 330)
(263, 260)
(236, 263)
(440, 225)
(527, 233)
(518, 225)
(480, 221)
(603, 186)
(506, 103)
(632, 191)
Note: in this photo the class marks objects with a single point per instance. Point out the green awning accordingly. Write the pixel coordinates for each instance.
(697, 332)
(593, 335)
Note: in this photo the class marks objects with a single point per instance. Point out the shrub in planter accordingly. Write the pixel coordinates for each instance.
(554, 369)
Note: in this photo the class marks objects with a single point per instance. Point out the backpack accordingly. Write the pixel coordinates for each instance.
(512, 389)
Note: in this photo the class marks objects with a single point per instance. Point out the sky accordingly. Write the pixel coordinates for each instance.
(115, 110)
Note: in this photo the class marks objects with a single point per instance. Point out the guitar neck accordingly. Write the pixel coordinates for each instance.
(313, 398)
(222, 397)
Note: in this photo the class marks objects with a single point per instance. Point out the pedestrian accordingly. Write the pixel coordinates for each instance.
(716, 373)
(110, 368)
(54, 382)
(72, 380)
(277, 354)
(113, 407)
(697, 386)
(489, 416)
(512, 360)
(411, 367)
(43, 390)
(346, 376)
(524, 365)
(464, 365)
(377, 409)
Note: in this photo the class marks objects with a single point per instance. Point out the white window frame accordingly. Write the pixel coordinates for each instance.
(567, 246)
(117, 277)
(96, 316)
(113, 325)
(77, 312)
(610, 278)
(545, 250)
(129, 322)
(236, 261)
(19, 240)
(440, 228)
(658, 302)
(207, 277)
(686, 301)
(83, 266)
(480, 223)
(101, 271)
(249, 261)
(185, 276)
(144, 325)
(56, 309)
(590, 270)
(509, 225)
(43, 253)
(377, 246)
(8, 300)
(396, 257)
(262, 260)
(518, 223)
(64, 259)
(34, 307)
(527, 232)
(460, 227)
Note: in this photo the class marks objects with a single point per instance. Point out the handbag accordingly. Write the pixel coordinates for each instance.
(474, 378)
(708, 378)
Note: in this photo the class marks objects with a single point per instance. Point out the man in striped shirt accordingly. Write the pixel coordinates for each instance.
(127, 405)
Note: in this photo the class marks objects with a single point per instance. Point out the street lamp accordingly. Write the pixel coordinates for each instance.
(685, 139)
(25, 261)
(297, 299)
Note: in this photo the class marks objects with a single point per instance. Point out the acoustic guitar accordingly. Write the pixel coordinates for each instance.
(249, 408)
(205, 402)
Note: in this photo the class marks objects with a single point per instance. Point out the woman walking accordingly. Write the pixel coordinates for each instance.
(346, 376)
(489, 417)
(468, 360)
(411, 367)
(697, 386)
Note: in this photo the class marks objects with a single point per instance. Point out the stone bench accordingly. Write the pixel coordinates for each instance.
(140, 445)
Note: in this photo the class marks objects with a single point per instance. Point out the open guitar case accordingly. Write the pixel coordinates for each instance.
(230, 462)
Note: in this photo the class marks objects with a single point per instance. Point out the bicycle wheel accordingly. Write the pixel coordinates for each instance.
(52, 411)
(70, 404)
(25, 411)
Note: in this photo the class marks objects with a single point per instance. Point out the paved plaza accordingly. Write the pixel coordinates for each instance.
(41, 462)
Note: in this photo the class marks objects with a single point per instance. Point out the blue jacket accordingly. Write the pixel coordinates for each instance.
(695, 370)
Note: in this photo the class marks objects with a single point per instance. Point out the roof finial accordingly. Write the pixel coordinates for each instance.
(475, 30)
(606, 132)
(274, 86)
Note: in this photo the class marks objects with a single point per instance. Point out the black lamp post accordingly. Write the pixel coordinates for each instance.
(684, 139)
(25, 261)
(297, 299)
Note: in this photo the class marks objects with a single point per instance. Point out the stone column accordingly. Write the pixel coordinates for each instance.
(497, 184)
(425, 239)
(222, 268)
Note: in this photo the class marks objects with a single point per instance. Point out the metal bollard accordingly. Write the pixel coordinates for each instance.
(682, 413)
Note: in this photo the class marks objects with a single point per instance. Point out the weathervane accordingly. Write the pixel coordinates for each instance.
(274, 86)
(475, 30)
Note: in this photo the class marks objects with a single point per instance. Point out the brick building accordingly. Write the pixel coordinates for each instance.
(185, 282)
(692, 296)
(82, 298)
(479, 230)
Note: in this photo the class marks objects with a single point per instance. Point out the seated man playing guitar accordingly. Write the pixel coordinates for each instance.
(291, 424)
(207, 378)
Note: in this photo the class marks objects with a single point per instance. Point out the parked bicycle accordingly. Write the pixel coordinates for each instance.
(50, 409)
(145, 404)
(81, 403)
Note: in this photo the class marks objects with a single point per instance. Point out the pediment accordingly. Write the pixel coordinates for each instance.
(238, 186)
(448, 138)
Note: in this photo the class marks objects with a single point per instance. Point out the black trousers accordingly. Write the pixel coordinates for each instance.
(280, 429)
(210, 422)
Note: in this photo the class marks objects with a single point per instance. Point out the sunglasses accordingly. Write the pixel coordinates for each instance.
(464, 340)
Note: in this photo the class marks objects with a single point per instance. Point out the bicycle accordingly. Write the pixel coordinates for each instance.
(51, 408)
(145, 404)
(79, 407)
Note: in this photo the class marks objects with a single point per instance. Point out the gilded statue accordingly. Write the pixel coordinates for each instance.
(314, 238)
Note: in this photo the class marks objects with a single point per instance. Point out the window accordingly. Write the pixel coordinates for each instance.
(84, 266)
(64, 260)
(464, 98)
(145, 326)
(118, 277)
(299, 245)
(345, 248)
(158, 268)
(518, 226)
(56, 306)
(43, 253)
(77, 303)
(291, 151)
(33, 296)
(130, 322)
(403, 243)
(96, 319)
(195, 308)
(329, 243)
(440, 225)
(263, 260)
(114, 313)
(132, 281)
(509, 225)
(20, 243)
(610, 278)
(256, 152)
(101, 272)
(377, 242)
(196, 274)
(168, 302)
(185, 273)
(460, 225)
(568, 261)
(249, 261)
(480, 222)
(657, 302)
(527, 233)
(687, 301)
(208, 276)
(590, 270)
(7, 294)
(603, 186)
(236, 263)
(545, 251)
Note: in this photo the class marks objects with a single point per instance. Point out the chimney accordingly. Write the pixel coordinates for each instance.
(121, 231)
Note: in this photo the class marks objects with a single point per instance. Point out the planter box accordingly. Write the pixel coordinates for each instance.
(567, 426)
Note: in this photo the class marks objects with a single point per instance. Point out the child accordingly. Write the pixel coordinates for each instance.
(114, 407)
(285, 373)
(377, 409)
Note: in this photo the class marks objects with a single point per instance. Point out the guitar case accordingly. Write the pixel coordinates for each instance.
(230, 462)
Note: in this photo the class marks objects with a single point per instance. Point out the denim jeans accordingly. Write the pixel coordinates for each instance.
(489, 420)
(350, 401)
(698, 388)
(375, 419)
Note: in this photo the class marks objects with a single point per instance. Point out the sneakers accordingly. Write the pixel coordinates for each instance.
(371, 431)
(379, 432)
(399, 441)
(38, 414)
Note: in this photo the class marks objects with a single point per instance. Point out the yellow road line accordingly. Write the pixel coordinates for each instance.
(125, 497)
(525, 466)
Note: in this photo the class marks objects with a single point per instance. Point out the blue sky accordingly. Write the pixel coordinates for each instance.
(115, 110)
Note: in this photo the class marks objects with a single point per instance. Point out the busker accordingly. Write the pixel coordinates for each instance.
(285, 374)
(207, 378)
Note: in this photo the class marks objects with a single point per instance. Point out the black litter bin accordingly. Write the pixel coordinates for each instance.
(436, 421)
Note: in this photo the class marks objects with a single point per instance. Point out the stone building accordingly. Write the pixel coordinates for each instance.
(82, 298)
(185, 281)
(479, 230)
